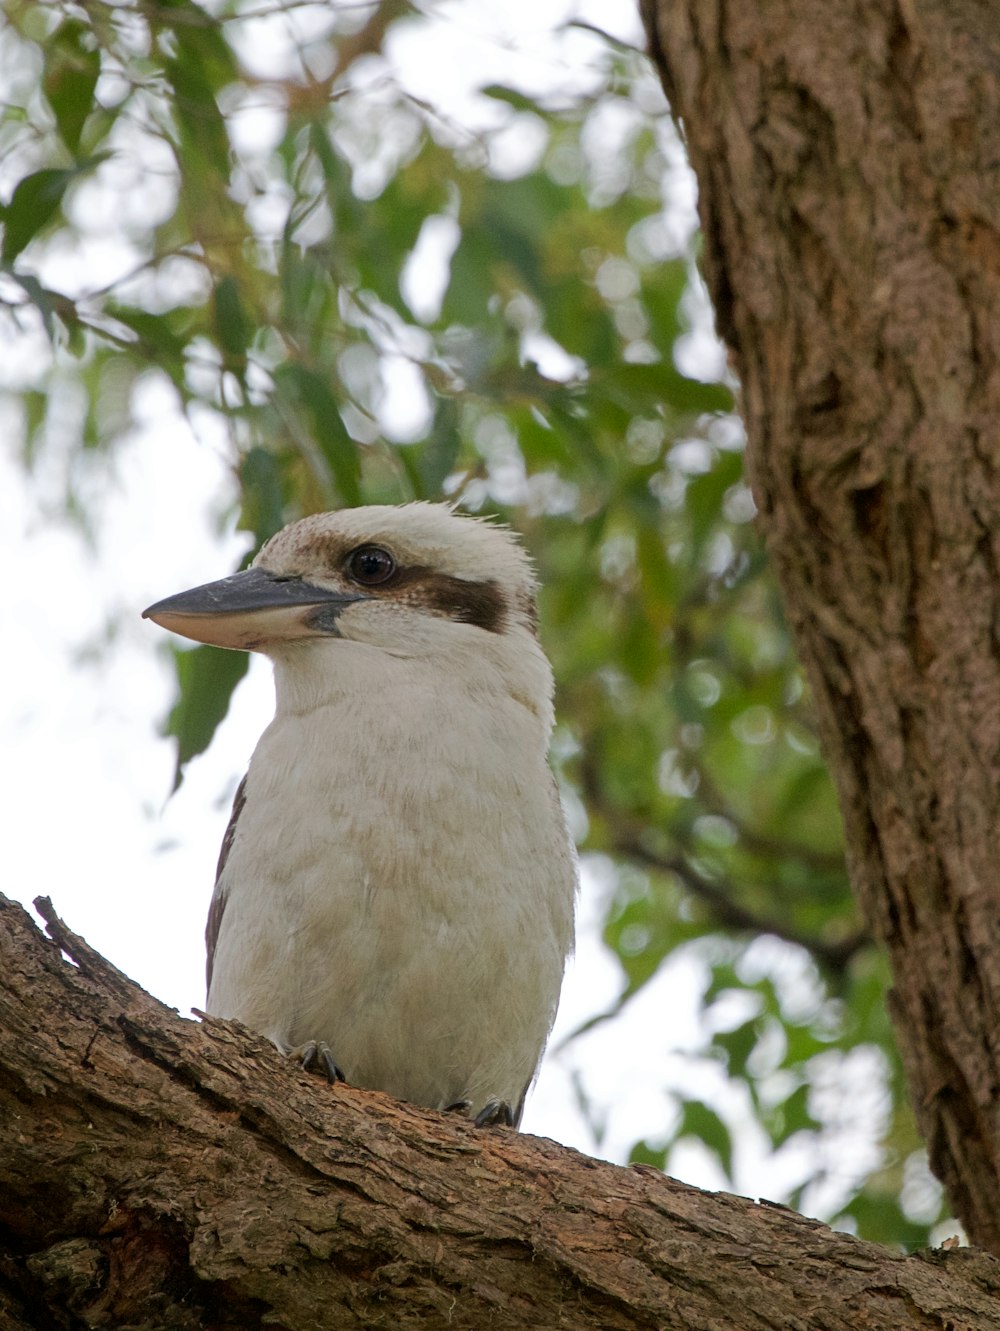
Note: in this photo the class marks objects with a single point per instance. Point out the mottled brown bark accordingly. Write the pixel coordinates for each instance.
(158, 1173)
(848, 158)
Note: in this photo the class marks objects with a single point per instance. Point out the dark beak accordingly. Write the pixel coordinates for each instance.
(251, 609)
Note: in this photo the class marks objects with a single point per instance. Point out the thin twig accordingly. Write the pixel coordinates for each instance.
(629, 839)
(728, 911)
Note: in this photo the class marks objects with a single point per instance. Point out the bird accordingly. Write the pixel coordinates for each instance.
(394, 903)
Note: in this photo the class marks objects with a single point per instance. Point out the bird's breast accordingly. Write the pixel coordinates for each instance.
(399, 881)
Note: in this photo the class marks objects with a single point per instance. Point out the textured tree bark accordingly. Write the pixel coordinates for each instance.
(848, 159)
(157, 1173)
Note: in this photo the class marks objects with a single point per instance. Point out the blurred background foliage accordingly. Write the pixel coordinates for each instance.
(376, 303)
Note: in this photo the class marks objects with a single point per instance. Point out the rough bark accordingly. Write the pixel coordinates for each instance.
(848, 159)
(160, 1173)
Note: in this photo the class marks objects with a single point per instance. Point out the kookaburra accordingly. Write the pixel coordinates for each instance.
(394, 901)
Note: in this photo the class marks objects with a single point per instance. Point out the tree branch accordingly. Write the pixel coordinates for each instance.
(157, 1171)
(834, 953)
(629, 838)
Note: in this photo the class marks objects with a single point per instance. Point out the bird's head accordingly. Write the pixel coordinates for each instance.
(412, 580)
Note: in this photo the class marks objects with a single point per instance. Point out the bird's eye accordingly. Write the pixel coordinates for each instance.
(370, 564)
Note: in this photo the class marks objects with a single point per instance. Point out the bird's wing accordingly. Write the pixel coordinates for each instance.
(218, 906)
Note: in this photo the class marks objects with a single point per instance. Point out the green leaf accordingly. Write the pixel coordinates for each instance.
(33, 204)
(880, 1219)
(309, 394)
(662, 292)
(705, 494)
(72, 69)
(700, 1120)
(628, 935)
(644, 1154)
(501, 93)
(234, 327)
(263, 510)
(202, 67)
(162, 338)
(43, 300)
(790, 1116)
(737, 1046)
(206, 678)
(429, 464)
(470, 282)
(640, 388)
(724, 979)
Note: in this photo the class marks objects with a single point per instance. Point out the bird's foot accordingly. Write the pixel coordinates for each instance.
(315, 1056)
(495, 1114)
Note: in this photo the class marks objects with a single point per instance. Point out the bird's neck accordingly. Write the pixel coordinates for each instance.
(364, 679)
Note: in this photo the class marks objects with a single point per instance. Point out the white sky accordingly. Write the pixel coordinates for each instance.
(86, 818)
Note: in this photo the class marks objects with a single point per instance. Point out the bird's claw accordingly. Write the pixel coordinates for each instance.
(315, 1056)
(495, 1114)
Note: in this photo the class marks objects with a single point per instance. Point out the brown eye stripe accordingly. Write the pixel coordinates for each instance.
(480, 603)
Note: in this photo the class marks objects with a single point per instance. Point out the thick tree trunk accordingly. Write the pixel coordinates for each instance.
(848, 158)
(158, 1173)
